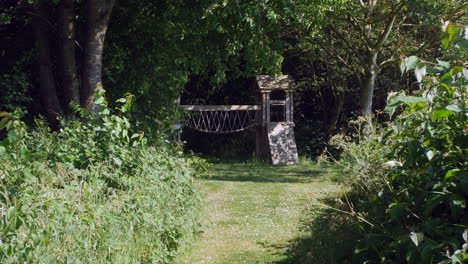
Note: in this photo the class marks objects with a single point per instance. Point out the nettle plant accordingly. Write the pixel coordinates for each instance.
(88, 139)
(426, 190)
(103, 136)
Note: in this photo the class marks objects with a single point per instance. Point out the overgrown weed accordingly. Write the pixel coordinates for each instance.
(93, 192)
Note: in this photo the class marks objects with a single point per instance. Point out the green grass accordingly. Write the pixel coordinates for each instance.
(253, 210)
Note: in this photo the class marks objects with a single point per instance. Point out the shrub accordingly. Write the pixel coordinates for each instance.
(93, 192)
(409, 186)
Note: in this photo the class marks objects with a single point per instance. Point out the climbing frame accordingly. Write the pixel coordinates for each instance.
(275, 140)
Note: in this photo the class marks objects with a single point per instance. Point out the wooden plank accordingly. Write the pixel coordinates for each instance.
(291, 106)
(221, 107)
(267, 95)
(277, 102)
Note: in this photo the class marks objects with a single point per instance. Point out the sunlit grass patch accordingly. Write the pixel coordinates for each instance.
(253, 209)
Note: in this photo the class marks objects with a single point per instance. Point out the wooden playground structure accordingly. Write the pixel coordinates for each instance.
(272, 118)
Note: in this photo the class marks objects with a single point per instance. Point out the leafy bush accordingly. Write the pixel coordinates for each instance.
(409, 180)
(93, 192)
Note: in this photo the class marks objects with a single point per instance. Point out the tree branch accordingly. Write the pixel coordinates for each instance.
(389, 26)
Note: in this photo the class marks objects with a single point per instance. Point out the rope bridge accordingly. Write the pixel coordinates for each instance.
(221, 119)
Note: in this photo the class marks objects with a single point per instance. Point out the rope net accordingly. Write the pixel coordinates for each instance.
(221, 121)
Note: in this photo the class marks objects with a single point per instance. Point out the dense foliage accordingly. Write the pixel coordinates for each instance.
(92, 192)
(409, 180)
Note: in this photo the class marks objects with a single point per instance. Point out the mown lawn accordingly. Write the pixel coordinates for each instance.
(252, 210)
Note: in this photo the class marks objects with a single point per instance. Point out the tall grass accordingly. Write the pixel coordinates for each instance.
(93, 193)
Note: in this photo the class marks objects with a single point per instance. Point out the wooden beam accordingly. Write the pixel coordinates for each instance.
(221, 107)
(288, 107)
(277, 102)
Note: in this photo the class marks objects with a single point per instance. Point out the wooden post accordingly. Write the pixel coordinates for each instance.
(287, 107)
(264, 108)
(291, 105)
(267, 95)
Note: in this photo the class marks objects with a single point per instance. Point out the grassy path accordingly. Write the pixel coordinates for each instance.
(252, 211)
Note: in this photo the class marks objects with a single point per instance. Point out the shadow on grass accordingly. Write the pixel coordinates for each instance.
(256, 171)
(329, 237)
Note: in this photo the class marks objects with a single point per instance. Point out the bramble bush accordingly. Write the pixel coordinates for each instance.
(93, 192)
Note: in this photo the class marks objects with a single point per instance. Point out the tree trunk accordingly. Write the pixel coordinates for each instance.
(66, 36)
(47, 89)
(367, 91)
(98, 14)
(335, 112)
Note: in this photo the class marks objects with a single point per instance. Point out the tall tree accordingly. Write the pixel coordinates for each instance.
(66, 38)
(97, 20)
(53, 21)
(366, 36)
(45, 66)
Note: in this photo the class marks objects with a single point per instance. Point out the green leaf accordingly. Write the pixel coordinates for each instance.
(121, 100)
(459, 203)
(438, 114)
(417, 238)
(449, 174)
(12, 136)
(420, 73)
(396, 211)
(463, 43)
(398, 100)
(457, 259)
(3, 122)
(446, 76)
(454, 108)
(444, 64)
(432, 202)
(456, 70)
(99, 100)
(411, 63)
(427, 252)
(3, 153)
(451, 31)
(430, 155)
(25, 154)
